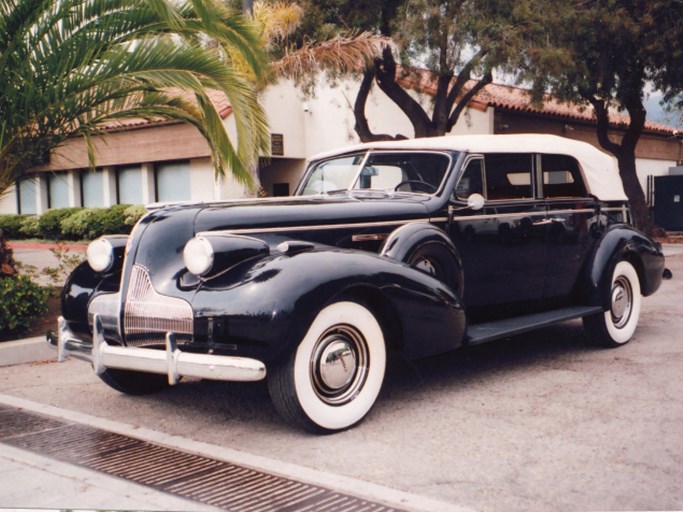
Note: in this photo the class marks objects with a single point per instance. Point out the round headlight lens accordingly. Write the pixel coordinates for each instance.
(198, 256)
(100, 255)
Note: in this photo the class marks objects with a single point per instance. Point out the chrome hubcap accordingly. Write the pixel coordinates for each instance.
(622, 302)
(339, 365)
(426, 266)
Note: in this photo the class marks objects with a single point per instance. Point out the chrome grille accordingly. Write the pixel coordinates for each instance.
(148, 315)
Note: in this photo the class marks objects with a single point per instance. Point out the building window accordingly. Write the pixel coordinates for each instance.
(173, 181)
(58, 190)
(92, 189)
(26, 196)
(129, 185)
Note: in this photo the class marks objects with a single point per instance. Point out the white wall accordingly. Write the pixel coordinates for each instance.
(646, 167)
(8, 201)
(311, 125)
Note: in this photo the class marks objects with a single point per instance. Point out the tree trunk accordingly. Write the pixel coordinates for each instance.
(362, 127)
(636, 195)
(625, 152)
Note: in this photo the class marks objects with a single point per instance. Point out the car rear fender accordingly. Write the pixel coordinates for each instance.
(621, 243)
(404, 241)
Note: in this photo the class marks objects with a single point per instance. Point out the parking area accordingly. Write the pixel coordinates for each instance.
(543, 421)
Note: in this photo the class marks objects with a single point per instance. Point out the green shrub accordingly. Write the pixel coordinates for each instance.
(29, 227)
(77, 225)
(50, 222)
(133, 214)
(21, 301)
(91, 223)
(10, 225)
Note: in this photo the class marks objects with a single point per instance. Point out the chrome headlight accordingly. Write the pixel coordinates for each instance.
(198, 255)
(100, 255)
(215, 252)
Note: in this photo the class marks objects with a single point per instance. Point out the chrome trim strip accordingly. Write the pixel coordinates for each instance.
(499, 216)
(314, 227)
(369, 237)
(567, 211)
(172, 361)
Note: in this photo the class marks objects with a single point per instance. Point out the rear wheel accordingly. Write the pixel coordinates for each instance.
(134, 383)
(436, 260)
(616, 326)
(334, 377)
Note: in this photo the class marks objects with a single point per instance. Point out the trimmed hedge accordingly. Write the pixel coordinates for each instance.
(50, 223)
(21, 301)
(10, 225)
(72, 223)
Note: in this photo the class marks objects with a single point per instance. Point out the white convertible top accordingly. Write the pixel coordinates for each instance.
(600, 170)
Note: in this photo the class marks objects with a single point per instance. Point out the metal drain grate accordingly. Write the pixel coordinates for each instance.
(213, 482)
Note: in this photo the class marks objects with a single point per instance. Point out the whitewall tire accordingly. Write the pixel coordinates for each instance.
(616, 326)
(334, 377)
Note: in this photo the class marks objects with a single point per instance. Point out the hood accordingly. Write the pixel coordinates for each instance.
(158, 241)
(262, 215)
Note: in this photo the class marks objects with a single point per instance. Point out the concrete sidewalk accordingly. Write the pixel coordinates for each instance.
(32, 481)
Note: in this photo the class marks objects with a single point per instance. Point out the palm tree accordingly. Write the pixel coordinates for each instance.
(76, 67)
(340, 55)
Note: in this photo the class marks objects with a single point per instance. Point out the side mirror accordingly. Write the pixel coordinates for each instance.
(475, 202)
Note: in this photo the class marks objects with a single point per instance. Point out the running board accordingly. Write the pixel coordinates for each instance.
(490, 331)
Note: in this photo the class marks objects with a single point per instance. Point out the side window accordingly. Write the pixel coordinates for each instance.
(408, 172)
(508, 176)
(561, 177)
(471, 180)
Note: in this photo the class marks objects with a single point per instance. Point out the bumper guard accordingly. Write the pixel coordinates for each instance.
(172, 361)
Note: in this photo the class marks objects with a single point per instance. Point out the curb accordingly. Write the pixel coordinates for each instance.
(47, 246)
(29, 350)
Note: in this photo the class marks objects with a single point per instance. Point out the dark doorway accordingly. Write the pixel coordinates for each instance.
(669, 202)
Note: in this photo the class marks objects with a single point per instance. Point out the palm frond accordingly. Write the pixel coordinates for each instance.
(73, 66)
(342, 55)
(278, 19)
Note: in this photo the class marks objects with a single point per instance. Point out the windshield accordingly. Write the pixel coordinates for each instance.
(417, 172)
(334, 174)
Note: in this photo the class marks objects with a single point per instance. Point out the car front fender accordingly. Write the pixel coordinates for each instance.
(266, 306)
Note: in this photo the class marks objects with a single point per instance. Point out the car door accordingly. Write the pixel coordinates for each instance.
(571, 226)
(502, 245)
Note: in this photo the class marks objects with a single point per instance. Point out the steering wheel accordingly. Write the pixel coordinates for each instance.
(427, 187)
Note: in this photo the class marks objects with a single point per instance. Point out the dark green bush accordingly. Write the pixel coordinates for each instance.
(73, 223)
(10, 225)
(91, 223)
(132, 214)
(29, 227)
(50, 222)
(21, 301)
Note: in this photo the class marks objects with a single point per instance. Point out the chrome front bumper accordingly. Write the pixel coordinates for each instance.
(172, 361)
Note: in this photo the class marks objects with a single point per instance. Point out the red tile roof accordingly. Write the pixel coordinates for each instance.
(218, 98)
(517, 99)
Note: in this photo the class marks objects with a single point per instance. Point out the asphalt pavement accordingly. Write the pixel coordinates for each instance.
(546, 426)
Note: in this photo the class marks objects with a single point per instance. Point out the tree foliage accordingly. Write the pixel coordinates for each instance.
(603, 54)
(302, 53)
(76, 67)
(450, 41)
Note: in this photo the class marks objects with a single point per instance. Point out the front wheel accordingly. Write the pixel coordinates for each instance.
(334, 377)
(616, 326)
(134, 383)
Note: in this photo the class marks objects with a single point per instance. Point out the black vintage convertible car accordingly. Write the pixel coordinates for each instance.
(418, 246)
